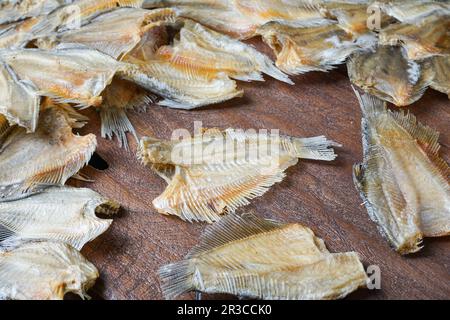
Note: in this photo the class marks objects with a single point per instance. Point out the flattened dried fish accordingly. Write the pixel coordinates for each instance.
(421, 40)
(408, 11)
(241, 255)
(219, 171)
(49, 156)
(403, 181)
(203, 50)
(115, 33)
(44, 270)
(440, 67)
(19, 101)
(17, 35)
(389, 75)
(11, 11)
(241, 18)
(320, 48)
(64, 214)
(68, 75)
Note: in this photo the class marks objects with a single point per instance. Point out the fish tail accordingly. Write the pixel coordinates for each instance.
(370, 105)
(177, 278)
(316, 148)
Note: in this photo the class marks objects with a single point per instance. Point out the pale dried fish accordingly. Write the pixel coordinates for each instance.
(11, 11)
(19, 34)
(252, 257)
(115, 33)
(440, 66)
(52, 154)
(207, 177)
(19, 101)
(241, 18)
(61, 214)
(421, 40)
(44, 271)
(203, 50)
(389, 75)
(68, 75)
(300, 50)
(403, 181)
(408, 11)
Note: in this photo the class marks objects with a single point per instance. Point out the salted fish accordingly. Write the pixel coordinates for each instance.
(42, 270)
(440, 67)
(11, 11)
(62, 214)
(403, 181)
(52, 154)
(421, 40)
(219, 171)
(408, 11)
(388, 74)
(241, 255)
(241, 18)
(300, 50)
(75, 75)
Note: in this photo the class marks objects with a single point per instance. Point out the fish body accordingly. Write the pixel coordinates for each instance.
(403, 181)
(44, 270)
(52, 154)
(62, 214)
(388, 74)
(241, 255)
(207, 177)
(440, 67)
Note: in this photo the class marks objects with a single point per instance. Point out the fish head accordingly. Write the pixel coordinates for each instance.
(80, 278)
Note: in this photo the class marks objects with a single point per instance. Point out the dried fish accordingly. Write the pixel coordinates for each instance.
(11, 11)
(52, 154)
(389, 75)
(403, 181)
(241, 255)
(241, 18)
(44, 270)
(421, 40)
(219, 171)
(19, 34)
(115, 33)
(320, 48)
(440, 66)
(68, 75)
(408, 11)
(64, 214)
(19, 101)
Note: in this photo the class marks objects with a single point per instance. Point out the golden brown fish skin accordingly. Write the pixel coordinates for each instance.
(389, 75)
(18, 34)
(205, 180)
(44, 270)
(403, 181)
(300, 50)
(408, 11)
(428, 38)
(440, 66)
(63, 214)
(241, 255)
(52, 154)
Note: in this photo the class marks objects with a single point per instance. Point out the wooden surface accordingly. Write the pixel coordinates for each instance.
(317, 194)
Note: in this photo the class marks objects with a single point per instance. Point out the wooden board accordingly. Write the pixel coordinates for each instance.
(319, 195)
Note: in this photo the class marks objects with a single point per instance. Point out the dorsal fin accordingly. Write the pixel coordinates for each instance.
(232, 228)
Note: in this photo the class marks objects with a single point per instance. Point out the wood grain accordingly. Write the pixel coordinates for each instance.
(319, 195)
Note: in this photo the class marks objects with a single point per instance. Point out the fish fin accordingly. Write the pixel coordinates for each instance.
(315, 148)
(370, 105)
(115, 122)
(176, 278)
(165, 171)
(232, 228)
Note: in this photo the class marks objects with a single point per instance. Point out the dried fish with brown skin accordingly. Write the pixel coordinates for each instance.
(389, 75)
(403, 181)
(440, 66)
(68, 75)
(408, 11)
(253, 257)
(19, 101)
(241, 18)
(62, 214)
(220, 171)
(115, 33)
(421, 40)
(52, 154)
(44, 271)
(300, 50)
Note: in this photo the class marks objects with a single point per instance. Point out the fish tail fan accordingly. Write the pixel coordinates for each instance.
(370, 105)
(7, 236)
(315, 148)
(176, 278)
(115, 122)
